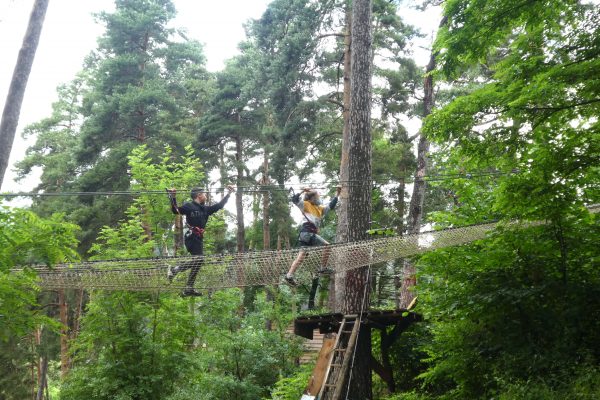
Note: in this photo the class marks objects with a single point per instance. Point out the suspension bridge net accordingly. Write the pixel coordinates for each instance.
(254, 268)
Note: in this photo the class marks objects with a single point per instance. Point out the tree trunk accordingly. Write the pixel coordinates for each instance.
(415, 213)
(64, 333)
(398, 264)
(357, 293)
(178, 233)
(270, 298)
(18, 84)
(77, 316)
(239, 206)
(42, 378)
(336, 285)
(265, 210)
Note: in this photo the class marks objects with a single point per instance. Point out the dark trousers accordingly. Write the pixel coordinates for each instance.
(195, 245)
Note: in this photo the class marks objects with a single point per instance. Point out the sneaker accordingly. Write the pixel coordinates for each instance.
(326, 271)
(290, 280)
(190, 292)
(171, 272)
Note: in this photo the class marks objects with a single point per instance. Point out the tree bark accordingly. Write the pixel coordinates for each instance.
(239, 206)
(42, 378)
(270, 298)
(336, 284)
(265, 210)
(415, 213)
(398, 264)
(18, 84)
(64, 333)
(357, 293)
(178, 235)
(77, 315)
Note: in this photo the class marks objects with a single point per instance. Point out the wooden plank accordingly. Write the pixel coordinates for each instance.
(318, 375)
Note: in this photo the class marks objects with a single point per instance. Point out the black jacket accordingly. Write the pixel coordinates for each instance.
(197, 214)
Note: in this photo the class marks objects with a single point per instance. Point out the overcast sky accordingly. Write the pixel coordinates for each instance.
(70, 33)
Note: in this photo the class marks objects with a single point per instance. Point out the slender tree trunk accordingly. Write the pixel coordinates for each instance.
(270, 298)
(146, 225)
(415, 213)
(33, 364)
(336, 285)
(239, 206)
(18, 84)
(178, 233)
(398, 264)
(43, 377)
(64, 333)
(77, 316)
(357, 293)
(265, 210)
(38, 342)
(141, 110)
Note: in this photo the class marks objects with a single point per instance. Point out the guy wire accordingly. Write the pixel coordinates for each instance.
(257, 188)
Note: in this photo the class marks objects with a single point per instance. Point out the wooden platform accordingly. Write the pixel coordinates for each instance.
(328, 323)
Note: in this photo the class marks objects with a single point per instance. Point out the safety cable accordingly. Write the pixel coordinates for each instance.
(250, 189)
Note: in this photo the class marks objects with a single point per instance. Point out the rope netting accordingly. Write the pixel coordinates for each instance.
(255, 268)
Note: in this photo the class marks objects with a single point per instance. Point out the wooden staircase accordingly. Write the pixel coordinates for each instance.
(339, 361)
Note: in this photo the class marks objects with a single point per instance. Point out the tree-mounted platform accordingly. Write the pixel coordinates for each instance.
(379, 319)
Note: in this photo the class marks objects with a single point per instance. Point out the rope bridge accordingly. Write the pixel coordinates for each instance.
(254, 268)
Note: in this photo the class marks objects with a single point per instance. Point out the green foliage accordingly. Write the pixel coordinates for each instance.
(238, 354)
(581, 383)
(131, 346)
(511, 308)
(25, 239)
(513, 316)
(150, 346)
(16, 354)
(407, 396)
(148, 230)
(406, 356)
(536, 120)
(292, 387)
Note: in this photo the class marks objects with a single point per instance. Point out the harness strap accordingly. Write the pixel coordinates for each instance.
(196, 230)
(310, 227)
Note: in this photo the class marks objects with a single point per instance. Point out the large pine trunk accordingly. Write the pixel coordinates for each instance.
(18, 84)
(357, 292)
(265, 210)
(336, 285)
(239, 206)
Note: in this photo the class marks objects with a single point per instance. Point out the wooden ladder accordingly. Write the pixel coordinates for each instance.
(339, 361)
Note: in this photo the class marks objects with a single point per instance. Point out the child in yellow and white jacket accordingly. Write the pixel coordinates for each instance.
(313, 212)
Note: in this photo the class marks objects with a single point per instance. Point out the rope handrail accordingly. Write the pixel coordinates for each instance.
(257, 268)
